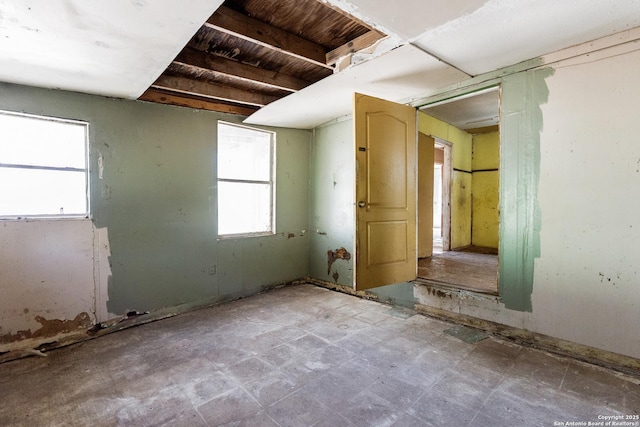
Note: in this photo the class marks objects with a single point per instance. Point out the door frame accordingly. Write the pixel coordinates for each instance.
(447, 174)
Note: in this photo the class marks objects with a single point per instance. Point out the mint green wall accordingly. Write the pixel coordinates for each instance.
(332, 197)
(332, 209)
(157, 199)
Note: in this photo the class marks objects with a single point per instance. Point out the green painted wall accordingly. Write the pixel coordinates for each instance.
(332, 210)
(156, 195)
(332, 198)
(521, 121)
(485, 189)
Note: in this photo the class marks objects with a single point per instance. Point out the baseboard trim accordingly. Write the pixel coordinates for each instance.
(39, 347)
(342, 288)
(625, 364)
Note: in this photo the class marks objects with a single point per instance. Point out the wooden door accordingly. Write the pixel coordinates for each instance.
(385, 135)
(425, 195)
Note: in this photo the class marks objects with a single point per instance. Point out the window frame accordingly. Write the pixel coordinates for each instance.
(87, 196)
(271, 183)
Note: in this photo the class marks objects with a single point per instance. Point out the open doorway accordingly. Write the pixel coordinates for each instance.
(465, 193)
(442, 152)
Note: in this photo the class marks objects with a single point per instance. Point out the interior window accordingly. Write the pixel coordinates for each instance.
(43, 166)
(245, 181)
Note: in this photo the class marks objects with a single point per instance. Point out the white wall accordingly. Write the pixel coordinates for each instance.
(46, 270)
(586, 282)
(587, 286)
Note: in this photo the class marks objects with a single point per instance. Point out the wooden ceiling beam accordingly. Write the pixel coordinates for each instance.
(180, 100)
(253, 30)
(204, 61)
(211, 90)
(364, 41)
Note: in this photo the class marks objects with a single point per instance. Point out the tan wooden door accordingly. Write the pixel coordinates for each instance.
(385, 135)
(425, 195)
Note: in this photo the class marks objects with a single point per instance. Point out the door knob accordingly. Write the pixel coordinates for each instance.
(362, 204)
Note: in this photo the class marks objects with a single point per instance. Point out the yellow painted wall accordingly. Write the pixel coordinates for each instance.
(486, 151)
(461, 210)
(485, 189)
(461, 205)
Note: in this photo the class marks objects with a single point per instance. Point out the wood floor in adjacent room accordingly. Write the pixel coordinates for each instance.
(305, 356)
(466, 269)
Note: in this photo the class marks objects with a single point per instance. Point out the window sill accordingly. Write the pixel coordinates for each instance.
(30, 218)
(244, 236)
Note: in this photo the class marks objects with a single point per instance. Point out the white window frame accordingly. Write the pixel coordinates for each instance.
(87, 212)
(271, 182)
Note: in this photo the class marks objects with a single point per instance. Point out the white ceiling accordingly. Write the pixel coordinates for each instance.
(477, 110)
(113, 48)
(473, 36)
(396, 76)
(119, 47)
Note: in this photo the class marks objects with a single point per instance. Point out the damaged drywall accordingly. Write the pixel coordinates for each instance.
(333, 256)
(332, 206)
(46, 271)
(151, 241)
(50, 328)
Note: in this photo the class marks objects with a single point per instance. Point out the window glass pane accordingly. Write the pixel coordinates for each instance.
(243, 208)
(42, 142)
(244, 153)
(42, 192)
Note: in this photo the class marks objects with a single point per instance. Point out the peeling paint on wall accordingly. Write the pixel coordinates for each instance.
(50, 328)
(333, 256)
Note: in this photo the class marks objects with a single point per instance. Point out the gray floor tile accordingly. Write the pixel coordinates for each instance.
(334, 420)
(463, 389)
(303, 355)
(406, 420)
(309, 343)
(190, 418)
(509, 410)
(368, 409)
(297, 409)
(207, 387)
(400, 394)
(539, 366)
(235, 405)
(601, 386)
(250, 369)
(271, 388)
(438, 410)
(282, 355)
(261, 419)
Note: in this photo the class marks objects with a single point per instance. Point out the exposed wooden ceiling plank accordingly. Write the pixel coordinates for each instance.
(209, 62)
(355, 45)
(235, 23)
(212, 90)
(156, 96)
(346, 14)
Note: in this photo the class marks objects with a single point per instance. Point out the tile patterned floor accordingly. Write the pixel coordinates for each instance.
(305, 356)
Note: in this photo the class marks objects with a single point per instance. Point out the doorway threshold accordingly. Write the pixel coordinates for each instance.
(476, 272)
(447, 290)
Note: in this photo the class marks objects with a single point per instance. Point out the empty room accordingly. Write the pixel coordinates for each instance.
(319, 213)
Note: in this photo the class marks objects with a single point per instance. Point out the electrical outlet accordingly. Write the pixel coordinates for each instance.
(212, 270)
